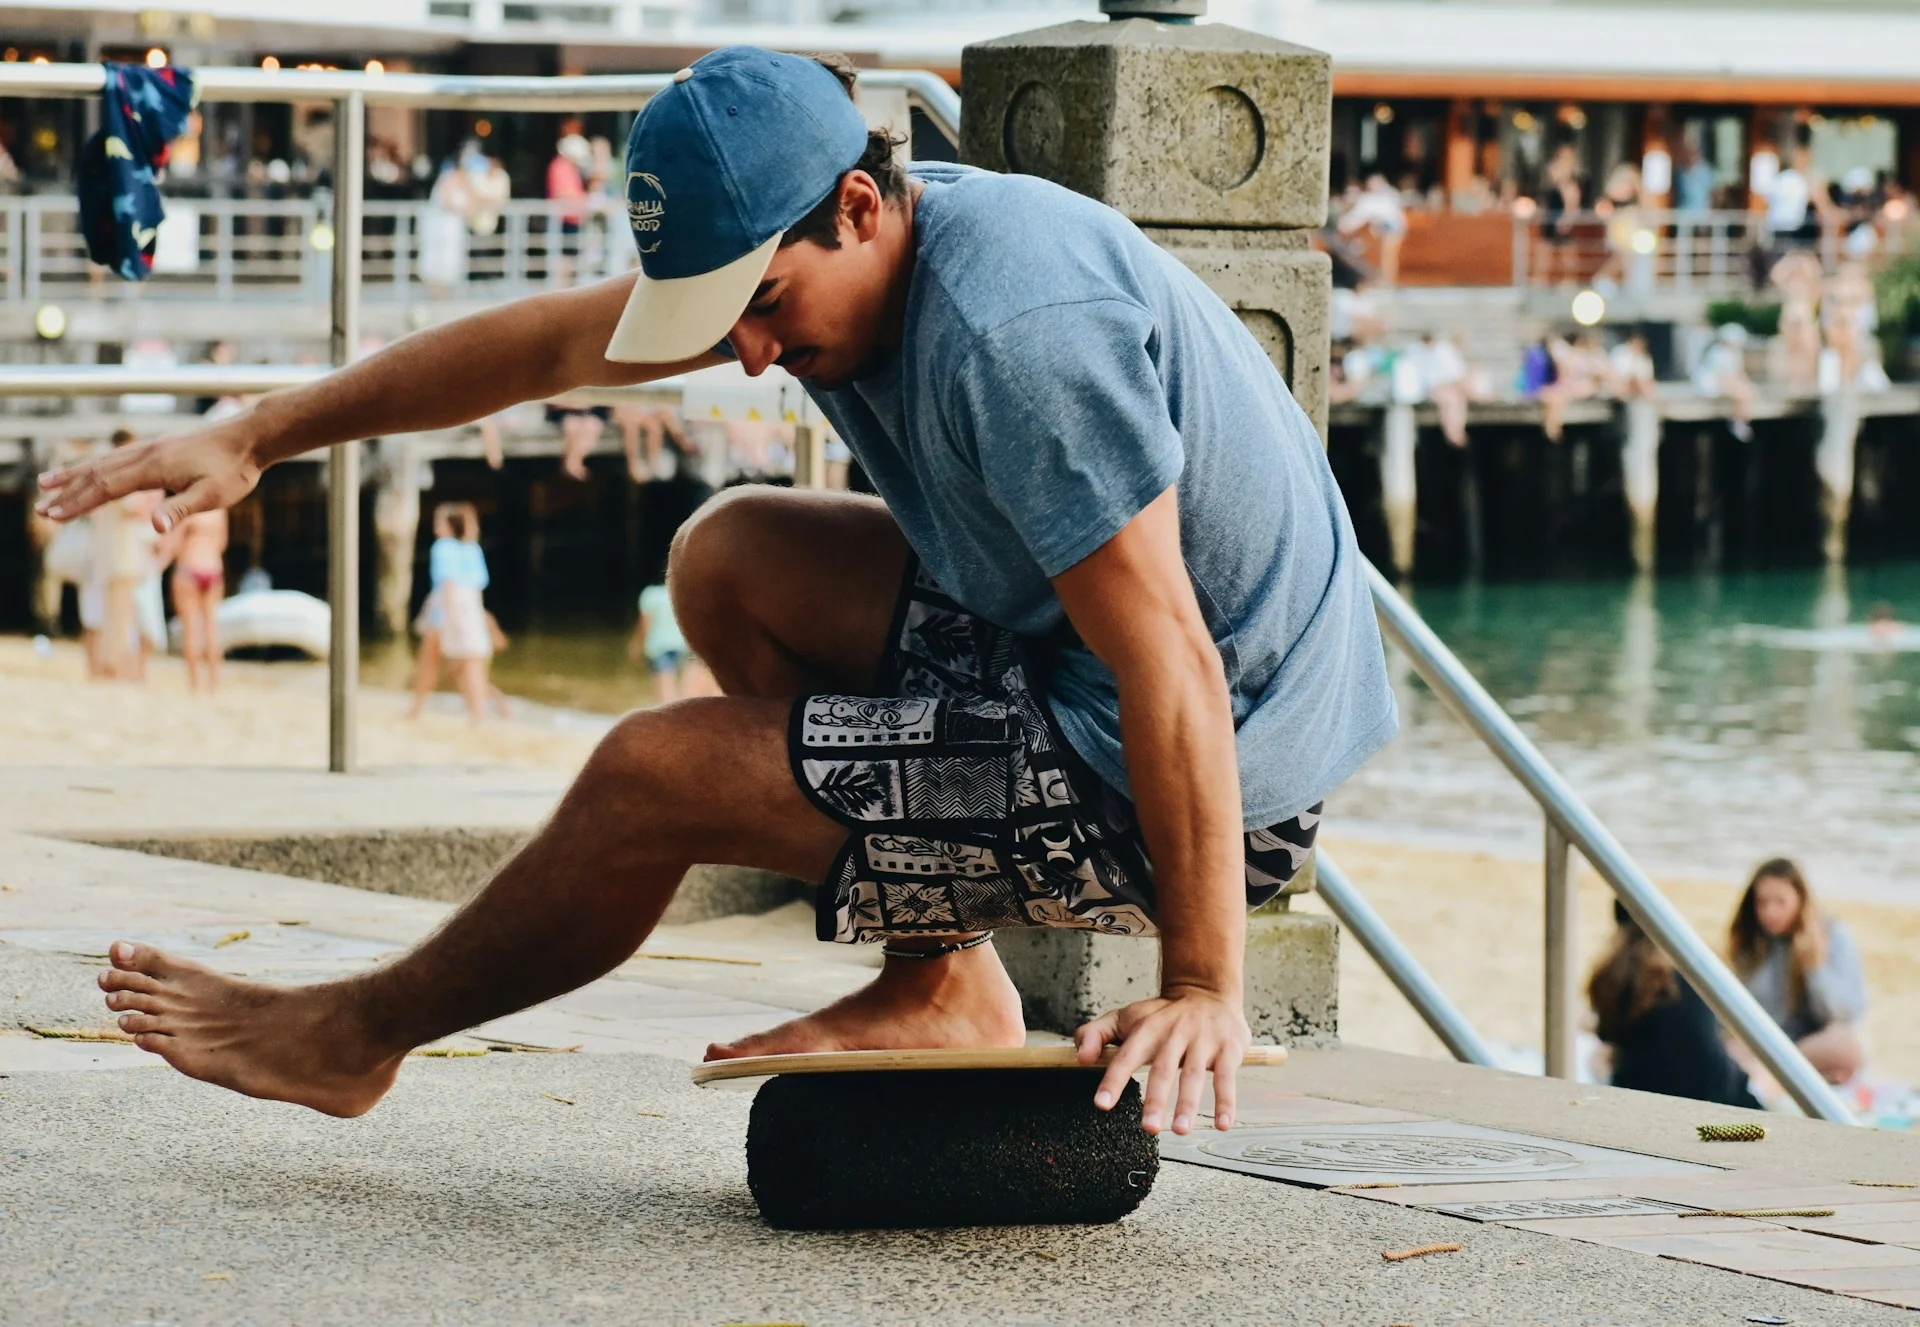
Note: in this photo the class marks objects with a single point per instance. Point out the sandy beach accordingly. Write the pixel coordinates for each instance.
(1474, 918)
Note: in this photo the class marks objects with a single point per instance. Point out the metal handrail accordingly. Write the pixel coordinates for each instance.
(1570, 816)
(580, 92)
(1350, 906)
(234, 380)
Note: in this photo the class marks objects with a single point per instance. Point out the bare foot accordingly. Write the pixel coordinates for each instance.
(281, 1043)
(964, 999)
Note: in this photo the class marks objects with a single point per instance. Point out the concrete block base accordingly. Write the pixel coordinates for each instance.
(1068, 977)
(1293, 976)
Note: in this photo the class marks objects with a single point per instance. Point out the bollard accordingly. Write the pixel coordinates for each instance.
(1211, 139)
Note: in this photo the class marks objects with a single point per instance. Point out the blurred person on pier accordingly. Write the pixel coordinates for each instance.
(1693, 182)
(1722, 371)
(580, 430)
(1559, 204)
(1802, 967)
(1447, 381)
(1378, 209)
(567, 185)
(1799, 277)
(1630, 374)
(1619, 207)
(654, 440)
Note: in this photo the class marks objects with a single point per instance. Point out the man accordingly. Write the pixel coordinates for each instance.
(1104, 514)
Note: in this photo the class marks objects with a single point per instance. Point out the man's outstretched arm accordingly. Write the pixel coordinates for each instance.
(445, 376)
(1134, 607)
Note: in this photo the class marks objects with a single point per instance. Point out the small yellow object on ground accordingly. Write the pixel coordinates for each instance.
(448, 1052)
(232, 938)
(652, 1114)
(701, 958)
(1731, 1133)
(80, 1034)
(564, 1101)
(528, 1047)
(1401, 1255)
(215, 1276)
(1765, 1211)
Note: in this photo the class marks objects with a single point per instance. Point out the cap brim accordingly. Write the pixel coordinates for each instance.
(669, 321)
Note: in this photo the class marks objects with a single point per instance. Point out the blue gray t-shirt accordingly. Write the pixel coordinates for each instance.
(1058, 372)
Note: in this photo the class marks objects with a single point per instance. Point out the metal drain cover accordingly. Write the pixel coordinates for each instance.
(1555, 1209)
(1412, 1152)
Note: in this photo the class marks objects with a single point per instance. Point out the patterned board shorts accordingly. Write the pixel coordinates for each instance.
(968, 808)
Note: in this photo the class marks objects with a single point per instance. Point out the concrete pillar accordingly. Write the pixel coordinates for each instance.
(1640, 464)
(1398, 490)
(1214, 141)
(396, 524)
(1833, 460)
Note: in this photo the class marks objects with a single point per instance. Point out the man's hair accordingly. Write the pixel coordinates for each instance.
(822, 224)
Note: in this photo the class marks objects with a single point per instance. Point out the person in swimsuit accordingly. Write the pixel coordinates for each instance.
(1091, 660)
(199, 585)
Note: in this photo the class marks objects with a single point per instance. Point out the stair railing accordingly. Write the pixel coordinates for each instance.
(1570, 824)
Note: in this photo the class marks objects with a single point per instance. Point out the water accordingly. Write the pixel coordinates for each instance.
(575, 664)
(1711, 720)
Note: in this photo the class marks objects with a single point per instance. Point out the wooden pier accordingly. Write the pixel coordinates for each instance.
(1633, 484)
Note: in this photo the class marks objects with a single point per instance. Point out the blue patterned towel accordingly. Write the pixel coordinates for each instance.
(144, 110)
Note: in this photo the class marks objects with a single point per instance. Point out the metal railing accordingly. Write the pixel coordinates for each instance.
(259, 249)
(1570, 823)
(1649, 250)
(351, 94)
(1350, 906)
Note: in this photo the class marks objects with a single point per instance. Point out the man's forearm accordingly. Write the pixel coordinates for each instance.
(1177, 724)
(464, 370)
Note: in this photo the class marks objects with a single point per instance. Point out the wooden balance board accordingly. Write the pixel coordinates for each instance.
(849, 1062)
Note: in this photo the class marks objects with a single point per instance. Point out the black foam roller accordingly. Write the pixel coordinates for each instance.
(974, 1147)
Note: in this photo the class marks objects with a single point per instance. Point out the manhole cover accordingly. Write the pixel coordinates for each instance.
(1409, 1152)
(1405, 1154)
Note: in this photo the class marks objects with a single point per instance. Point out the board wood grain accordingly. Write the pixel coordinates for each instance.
(848, 1062)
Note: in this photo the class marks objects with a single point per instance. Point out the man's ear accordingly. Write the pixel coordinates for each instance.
(860, 206)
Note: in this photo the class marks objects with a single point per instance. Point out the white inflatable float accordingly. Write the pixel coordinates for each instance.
(271, 620)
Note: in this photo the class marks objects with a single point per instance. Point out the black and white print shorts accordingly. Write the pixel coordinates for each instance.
(968, 808)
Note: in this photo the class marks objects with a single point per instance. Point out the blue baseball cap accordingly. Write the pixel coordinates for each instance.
(737, 149)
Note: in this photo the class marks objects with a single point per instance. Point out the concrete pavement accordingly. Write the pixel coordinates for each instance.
(598, 1185)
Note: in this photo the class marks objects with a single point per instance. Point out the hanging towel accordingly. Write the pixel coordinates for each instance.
(143, 111)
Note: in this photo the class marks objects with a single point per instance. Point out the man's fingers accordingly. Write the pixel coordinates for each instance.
(1226, 1065)
(1091, 1037)
(77, 491)
(199, 496)
(1163, 1080)
(1193, 1084)
(1132, 1054)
